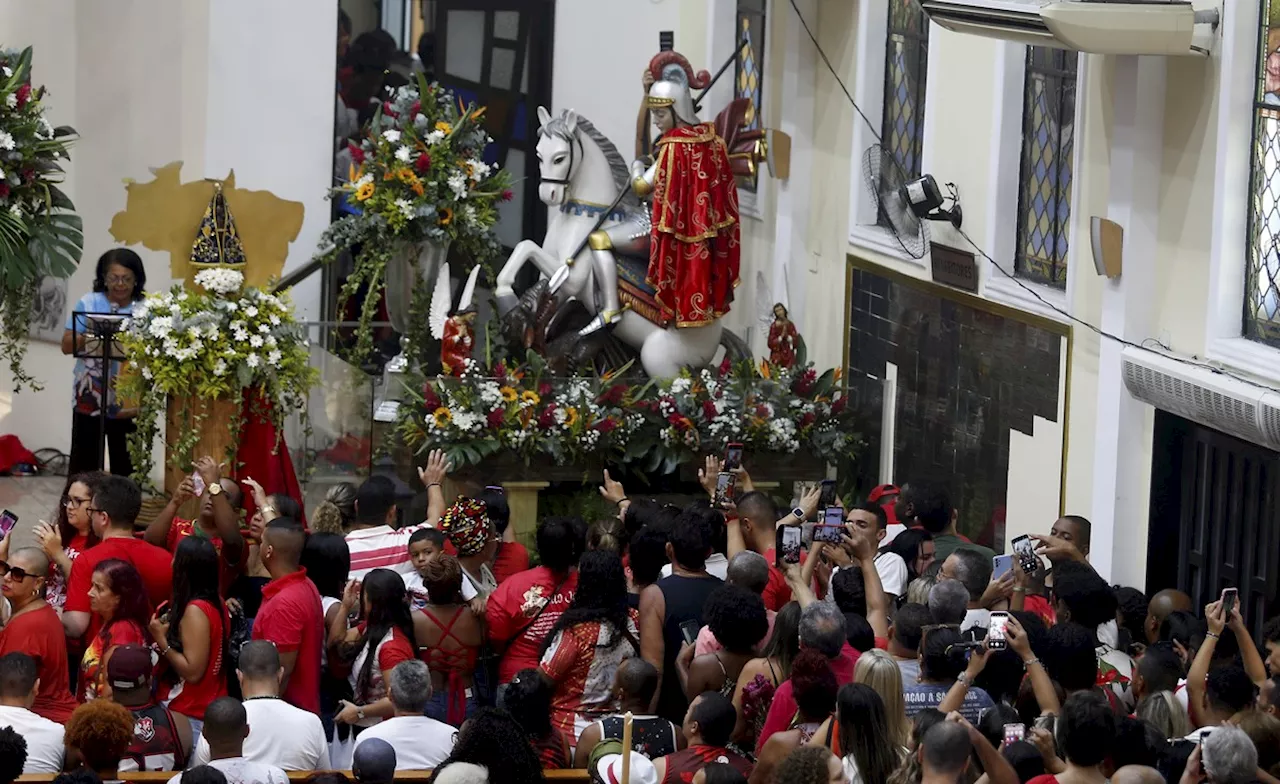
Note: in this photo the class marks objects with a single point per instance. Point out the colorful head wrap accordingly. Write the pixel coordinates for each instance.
(466, 523)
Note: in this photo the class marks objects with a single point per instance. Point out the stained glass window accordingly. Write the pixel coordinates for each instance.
(749, 66)
(906, 63)
(1044, 182)
(1262, 278)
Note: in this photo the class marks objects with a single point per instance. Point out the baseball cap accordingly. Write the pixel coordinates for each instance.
(130, 667)
(886, 496)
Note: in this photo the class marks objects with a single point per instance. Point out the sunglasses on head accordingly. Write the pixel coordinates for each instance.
(16, 572)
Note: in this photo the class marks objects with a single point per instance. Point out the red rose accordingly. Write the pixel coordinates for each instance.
(415, 107)
(547, 419)
(725, 367)
(804, 384)
(24, 95)
(806, 420)
(423, 163)
(430, 400)
(544, 389)
(28, 175)
(708, 410)
(500, 370)
(607, 425)
(674, 419)
(495, 418)
(507, 195)
(4, 190)
(613, 395)
(762, 411)
(387, 110)
(357, 154)
(837, 405)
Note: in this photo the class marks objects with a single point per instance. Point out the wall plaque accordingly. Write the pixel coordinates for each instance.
(954, 267)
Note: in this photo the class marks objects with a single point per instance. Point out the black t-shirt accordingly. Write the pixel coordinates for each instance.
(685, 598)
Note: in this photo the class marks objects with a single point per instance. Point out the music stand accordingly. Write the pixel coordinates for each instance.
(99, 331)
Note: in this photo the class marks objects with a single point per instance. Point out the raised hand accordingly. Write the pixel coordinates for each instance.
(612, 490)
(436, 469)
(210, 470)
(710, 472)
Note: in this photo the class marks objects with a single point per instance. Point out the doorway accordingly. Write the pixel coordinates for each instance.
(1213, 518)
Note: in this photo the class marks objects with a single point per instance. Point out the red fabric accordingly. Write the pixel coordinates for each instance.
(292, 618)
(456, 663)
(260, 457)
(695, 248)
(777, 593)
(455, 346)
(227, 573)
(38, 633)
(682, 766)
(512, 559)
(12, 453)
(1040, 606)
(93, 672)
(193, 698)
(782, 343)
(398, 649)
(783, 708)
(509, 616)
(155, 564)
(1044, 778)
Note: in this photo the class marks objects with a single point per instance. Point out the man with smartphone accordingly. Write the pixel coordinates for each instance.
(1220, 691)
(217, 520)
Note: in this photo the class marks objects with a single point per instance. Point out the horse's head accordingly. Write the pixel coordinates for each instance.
(560, 155)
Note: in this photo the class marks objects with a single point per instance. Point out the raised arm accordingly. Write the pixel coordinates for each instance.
(955, 695)
(433, 476)
(1216, 621)
(877, 602)
(1020, 644)
(1253, 663)
(998, 769)
(225, 517)
(157, 532)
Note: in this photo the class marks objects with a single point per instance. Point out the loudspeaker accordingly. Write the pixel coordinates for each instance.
(1107, 237)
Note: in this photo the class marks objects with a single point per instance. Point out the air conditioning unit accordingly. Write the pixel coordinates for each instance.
(1201, 395)
(1093, 26)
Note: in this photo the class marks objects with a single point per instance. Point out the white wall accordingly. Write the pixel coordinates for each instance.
(235, 83)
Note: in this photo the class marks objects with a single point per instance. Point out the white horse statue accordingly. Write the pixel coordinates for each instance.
(582, 173)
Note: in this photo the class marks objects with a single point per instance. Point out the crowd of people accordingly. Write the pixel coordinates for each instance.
(891, 653)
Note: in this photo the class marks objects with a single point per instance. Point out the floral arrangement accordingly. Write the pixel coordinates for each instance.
(40, 234)
(654, 427)
(417, 176)
(211, 345)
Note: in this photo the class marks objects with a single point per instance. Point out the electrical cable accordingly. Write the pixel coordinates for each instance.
(1102, 333)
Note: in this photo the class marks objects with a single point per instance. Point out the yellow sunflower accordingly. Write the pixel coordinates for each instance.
(443, 417)
(446, 216)
(405, 175)
(530, 396)
(389, 175)
(508, 394)
(570, 416)
(364, 191)
(444, 127)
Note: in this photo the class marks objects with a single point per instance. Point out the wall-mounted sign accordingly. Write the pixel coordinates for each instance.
(954, 267)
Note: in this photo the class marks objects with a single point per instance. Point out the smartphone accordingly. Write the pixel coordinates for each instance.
(162, 612)
(1048, 722)
(732, 457)
(996, 639)
(689, 630)
(1000, 566)
(7, 521)
(787, 545)
(829, 533)
(828, 496)
(1014, 733)
(198, 481)
(725, 485)
(1228, 601)
(1025, 549)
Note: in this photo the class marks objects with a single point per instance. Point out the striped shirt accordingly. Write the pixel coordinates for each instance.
(381, 547)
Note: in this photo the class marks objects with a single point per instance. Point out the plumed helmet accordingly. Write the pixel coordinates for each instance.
(673, 82)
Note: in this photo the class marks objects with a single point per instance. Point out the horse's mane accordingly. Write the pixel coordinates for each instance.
(617, 164)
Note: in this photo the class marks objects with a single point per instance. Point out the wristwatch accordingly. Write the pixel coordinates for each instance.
(359, 714)
(215, 489)
(799, 513)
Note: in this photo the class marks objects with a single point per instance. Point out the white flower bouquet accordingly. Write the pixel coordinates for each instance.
(205, 345)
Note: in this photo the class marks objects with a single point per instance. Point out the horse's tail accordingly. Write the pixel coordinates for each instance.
(735, 348)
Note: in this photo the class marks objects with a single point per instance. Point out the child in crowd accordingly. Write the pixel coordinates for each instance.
(424, 545)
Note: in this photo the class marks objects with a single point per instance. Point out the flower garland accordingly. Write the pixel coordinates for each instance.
(417, 176)
(654, 427)
(40, 234)
(210, 346)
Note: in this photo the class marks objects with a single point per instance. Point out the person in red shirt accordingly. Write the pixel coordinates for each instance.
(120, 611)
(218, 520)
(511, 557)
(291, 616)
(34, 629)
(383, 640)
(115, 505)
(193, 632)
(69, 535)
(755, 528)
(525, 607)
(707, 727)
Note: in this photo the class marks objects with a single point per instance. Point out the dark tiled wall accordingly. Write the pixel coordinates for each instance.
(966, 377)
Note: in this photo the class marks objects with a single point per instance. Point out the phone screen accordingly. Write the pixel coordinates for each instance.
(1014, 733)
(790, 538)
(7, 521)
(198, 481)
(828, 494)
(1026, 552)
(689, 630)
(725, 483)
(733, 457)
(828, 533)
(1000, 566)
(996, 631)
(1228, 601)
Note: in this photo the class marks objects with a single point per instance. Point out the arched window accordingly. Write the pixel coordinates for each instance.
(1262, 277)
(1044, 179)
(906, 63)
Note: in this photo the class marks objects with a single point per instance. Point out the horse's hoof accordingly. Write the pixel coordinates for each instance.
(506, 303)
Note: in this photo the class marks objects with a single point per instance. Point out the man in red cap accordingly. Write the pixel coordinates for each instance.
(161, 739)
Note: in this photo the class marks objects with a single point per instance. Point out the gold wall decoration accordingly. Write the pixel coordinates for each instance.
(165, 214)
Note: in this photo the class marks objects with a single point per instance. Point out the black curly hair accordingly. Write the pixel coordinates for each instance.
(804, 765)
(494, 739)
(736, 617)
(13, 755)
(528, 699)
(601, 596)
